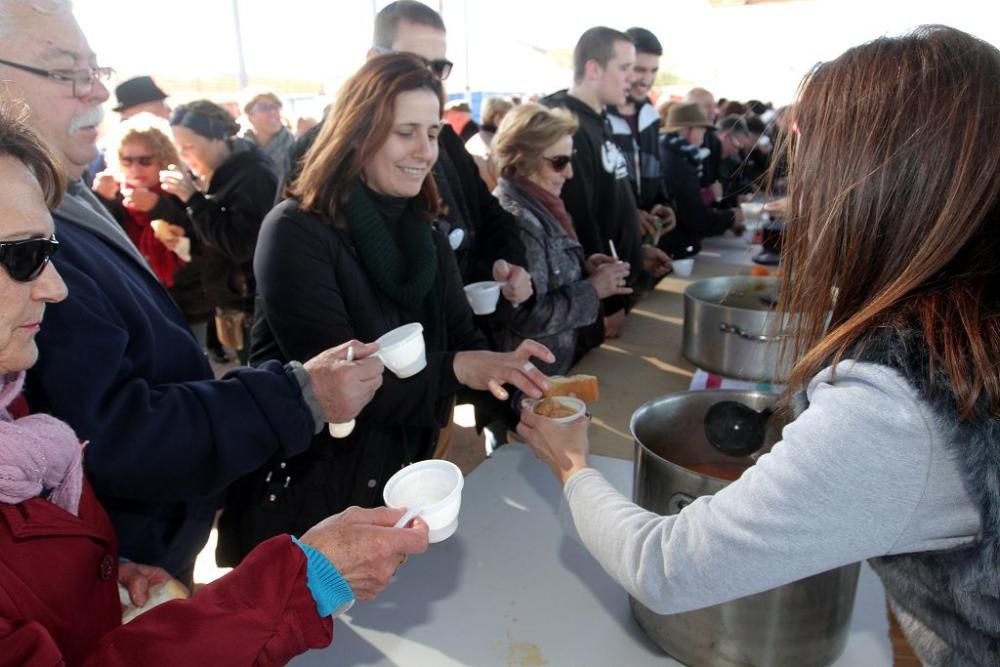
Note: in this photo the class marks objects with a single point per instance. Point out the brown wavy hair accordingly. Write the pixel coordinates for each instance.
(20, 142)
(356, 128)
(893, 218)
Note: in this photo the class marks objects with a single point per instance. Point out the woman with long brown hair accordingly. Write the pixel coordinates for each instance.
(353, 255)
(894, 453)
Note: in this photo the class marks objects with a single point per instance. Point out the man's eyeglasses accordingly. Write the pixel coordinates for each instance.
(143, 160)
(441, 67)
(559, 162)
(82, 80)
(25, 260)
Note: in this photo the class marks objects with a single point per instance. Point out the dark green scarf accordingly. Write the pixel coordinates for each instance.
(403, 271)
(403, 267)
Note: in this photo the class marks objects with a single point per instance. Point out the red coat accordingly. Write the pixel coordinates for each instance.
(59, 600)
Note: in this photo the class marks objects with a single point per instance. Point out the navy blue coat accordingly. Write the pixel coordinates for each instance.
(119, 364)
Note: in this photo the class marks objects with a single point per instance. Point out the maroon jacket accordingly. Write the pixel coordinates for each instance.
(59, 600)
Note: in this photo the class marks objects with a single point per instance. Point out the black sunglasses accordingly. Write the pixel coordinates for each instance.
(559, 162)
(441, 67)
(25, 260)
(144, 160)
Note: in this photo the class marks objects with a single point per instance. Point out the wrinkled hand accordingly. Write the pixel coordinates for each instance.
(177, 183)
(365, 548)
(594, 262)
(138, 579)
(614, 324)
(485, 370)
(106, 185)
(655, 261)
(667, 215)
(517, 286)
(139, 199)
(609, 279)
(343, 387)
(563, 447)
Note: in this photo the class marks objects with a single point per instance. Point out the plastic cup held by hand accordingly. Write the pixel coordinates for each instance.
(683, 267)
(435, 487)
(569, 402)
(402, 350)
(483, 296)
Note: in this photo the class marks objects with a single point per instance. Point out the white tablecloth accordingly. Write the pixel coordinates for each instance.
(510, 589)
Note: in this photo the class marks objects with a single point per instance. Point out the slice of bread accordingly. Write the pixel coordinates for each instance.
(583, 387)
(169, 590)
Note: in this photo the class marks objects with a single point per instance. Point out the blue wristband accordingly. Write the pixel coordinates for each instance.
(333, 595)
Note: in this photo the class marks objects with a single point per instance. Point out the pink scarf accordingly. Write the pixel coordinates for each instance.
(553, 204)
(38, 453)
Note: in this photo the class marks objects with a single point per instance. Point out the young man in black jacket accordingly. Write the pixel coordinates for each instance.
(599, 197)
(636, 127)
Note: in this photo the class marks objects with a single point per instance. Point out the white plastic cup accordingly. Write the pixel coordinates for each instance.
(483, 296)
(436, 487)
(683, 267)
(752, 210)
(402, 350)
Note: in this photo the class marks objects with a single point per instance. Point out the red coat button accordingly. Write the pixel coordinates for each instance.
(107, 567)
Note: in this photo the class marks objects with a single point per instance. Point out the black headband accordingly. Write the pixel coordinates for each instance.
(211, 128)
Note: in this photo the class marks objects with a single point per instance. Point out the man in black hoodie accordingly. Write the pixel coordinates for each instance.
(599, 197)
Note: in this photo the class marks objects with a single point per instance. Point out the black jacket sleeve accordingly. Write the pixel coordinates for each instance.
(230, 220)
(496, 231)
(681, 180)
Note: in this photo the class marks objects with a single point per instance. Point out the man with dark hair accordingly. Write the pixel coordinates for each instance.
(600, 197)
(737, 142)
(636, 127)
(416, 13)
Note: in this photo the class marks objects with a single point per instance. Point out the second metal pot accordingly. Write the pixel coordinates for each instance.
(730, 328)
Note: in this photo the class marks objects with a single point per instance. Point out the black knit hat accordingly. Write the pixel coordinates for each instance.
(137, 91)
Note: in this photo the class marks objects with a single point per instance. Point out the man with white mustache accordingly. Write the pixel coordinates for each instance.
(118, 362)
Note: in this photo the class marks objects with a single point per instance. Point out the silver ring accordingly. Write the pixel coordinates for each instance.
(528, 367)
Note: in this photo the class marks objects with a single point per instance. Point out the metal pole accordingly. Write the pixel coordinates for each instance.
(468, 73)
(244, 79)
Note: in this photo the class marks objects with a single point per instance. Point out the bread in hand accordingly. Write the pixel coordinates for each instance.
(168, 590)
(583, 387)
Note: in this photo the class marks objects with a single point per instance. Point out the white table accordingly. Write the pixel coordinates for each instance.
(510, 589)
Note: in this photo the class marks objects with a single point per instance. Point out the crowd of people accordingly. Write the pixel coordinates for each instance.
(186, 236)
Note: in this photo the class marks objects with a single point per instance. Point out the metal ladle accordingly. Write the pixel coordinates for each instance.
(736, 429)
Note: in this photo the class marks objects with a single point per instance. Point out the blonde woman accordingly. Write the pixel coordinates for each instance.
(533, 149)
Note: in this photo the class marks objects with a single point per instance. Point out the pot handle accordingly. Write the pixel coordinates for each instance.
(677, 502)
(725, 327)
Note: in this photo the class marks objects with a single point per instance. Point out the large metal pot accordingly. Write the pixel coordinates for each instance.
(804, 623)
(730, 327)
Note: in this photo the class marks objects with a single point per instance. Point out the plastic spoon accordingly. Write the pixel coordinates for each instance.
(736, 429)
(344, 429)
(410, 515)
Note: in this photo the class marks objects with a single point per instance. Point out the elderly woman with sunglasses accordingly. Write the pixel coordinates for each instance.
(154, 220)
(533, 148)
(59, 571)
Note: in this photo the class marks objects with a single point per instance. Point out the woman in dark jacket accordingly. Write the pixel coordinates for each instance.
(351, 256)
(533, 149)
(235, 189)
